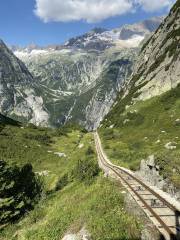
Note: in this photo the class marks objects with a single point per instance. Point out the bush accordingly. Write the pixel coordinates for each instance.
(86, 170)
(168, 99)
(19, 189)
(43, 139)
(1, 127)
(108, 134)
(60, 132)
(89, 151)
(62, 182)
(136, 118)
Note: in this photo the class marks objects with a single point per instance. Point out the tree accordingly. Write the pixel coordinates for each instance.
(19, 190)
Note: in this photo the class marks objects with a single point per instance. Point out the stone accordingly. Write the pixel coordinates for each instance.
(149, 172)
(171, 145)
(60, 154)
(126, 121)
(83, 234)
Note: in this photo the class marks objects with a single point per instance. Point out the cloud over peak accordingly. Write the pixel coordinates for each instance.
(93, 10)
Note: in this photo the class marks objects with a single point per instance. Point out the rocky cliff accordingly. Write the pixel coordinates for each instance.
(157, 67)
(150, 172)
(18, 97)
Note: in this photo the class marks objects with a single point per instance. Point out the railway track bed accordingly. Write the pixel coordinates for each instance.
(161, 212)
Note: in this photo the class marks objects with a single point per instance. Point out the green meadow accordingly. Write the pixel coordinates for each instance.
(144, 129)
(75, 192)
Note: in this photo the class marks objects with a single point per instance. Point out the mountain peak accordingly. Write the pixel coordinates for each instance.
(98, 30)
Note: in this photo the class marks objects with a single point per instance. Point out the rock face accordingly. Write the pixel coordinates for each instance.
(72, 83)
(157, 68)
(83, 234)
(149, 171)
(17, 94)
(80, 80)
(106, 93)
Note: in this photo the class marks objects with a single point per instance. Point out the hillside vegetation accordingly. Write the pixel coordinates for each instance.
(132, 133)
(74, 192)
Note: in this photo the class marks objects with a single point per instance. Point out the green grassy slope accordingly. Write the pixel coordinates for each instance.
(69, 199)
(131, 134)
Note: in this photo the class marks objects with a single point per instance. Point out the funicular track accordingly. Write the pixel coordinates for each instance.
(164, 215)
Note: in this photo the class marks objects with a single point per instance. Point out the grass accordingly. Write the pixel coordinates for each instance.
(144, 129)
(103, 214)
(69, 201)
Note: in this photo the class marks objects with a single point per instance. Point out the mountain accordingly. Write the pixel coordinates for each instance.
(142, 129)
(126, 36)
(90, 40)
(18, 97)
(73, 82)
(79, 81)
(157, 66)
(143, 28)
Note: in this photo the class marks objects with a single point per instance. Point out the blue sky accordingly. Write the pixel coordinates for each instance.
(54, 21)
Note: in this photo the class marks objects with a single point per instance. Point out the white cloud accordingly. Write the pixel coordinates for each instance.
(73, 10)
(154, 5)
(92, 10)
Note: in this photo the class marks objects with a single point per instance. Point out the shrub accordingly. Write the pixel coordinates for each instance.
(62, 182)
(60, 132)
(89, 151)
(43, 139)
(1, 127)
(136, 119)
(108, 134)
(169, 98)
(19, 189)
(86, 170)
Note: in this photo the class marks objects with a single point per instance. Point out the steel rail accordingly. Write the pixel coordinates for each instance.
(149, 208)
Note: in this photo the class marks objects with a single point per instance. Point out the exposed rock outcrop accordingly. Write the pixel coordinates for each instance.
(18, 97)
(83, 234)
(157, 67)
(150, 172)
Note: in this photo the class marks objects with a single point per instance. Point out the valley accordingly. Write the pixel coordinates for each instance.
(79, 81)
(90, 134)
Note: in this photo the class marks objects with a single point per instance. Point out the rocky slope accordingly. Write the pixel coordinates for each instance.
(157, 68)
(79, 81)
(17, 94)
(149, 129)
(151, 173)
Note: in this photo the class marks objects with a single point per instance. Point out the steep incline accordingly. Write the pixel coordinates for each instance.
(157, 69)
(18, 98)
(147, 132)
(160, 208)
